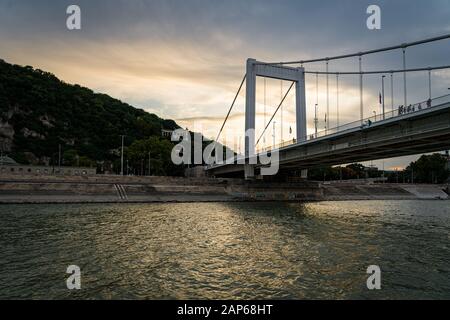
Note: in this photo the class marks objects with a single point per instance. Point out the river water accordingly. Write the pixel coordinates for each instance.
(226, 250)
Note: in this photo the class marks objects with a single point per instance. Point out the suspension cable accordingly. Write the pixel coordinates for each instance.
(231, 108)
(363, 53)
(275, 113)
(379, 72)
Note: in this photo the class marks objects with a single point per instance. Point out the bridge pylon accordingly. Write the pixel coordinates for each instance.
(259, 69)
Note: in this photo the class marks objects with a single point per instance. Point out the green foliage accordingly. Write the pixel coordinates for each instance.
(87, 125)
(160, 157)
(352, 171)
(428, 169)
(19, 157)
(357, 170)
(70, 158)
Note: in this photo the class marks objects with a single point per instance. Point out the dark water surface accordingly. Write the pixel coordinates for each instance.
(226, 250)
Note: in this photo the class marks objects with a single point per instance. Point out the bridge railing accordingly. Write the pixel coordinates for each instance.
(368, 122)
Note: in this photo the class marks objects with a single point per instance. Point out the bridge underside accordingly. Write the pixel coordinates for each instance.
(421, 132)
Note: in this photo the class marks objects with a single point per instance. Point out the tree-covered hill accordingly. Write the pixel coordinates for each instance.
(39, 112)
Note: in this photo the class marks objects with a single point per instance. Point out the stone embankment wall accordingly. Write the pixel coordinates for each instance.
(112, 189)
(383, 192)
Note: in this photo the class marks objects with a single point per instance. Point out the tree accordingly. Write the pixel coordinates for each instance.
(70, 158)
(160, 151)
(358, 170)
(32, 100)
(428, 169)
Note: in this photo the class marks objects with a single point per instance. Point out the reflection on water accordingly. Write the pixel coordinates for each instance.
(227, 250)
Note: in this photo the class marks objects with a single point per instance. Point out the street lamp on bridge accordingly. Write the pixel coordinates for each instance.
(274, 131)
(316, 120)
(121, 156)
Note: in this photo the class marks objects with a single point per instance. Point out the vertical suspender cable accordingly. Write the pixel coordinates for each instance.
(337, 101)
(392, 91)
(275, 113)
(429, 84)
(382, 93)
(316, 119)
(404, 77)
(361, 102)
(265, 120)
(327, 117)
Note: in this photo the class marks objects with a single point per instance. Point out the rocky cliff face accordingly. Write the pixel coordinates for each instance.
(8, 133)
(6, 136)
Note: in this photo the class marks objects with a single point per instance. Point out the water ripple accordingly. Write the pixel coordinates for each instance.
(226, 250)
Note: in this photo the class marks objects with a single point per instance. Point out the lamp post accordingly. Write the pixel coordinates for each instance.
(429, 84)
(240, 138)
(273, 135)
(121, 157)
(392, 92)
(149, 162)
(316, 120)
(59, 156)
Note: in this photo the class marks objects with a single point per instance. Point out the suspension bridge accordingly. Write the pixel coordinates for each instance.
(411, 128)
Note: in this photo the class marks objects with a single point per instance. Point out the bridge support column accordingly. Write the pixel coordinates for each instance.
(250, 113)
(300, 105)
(254, 69)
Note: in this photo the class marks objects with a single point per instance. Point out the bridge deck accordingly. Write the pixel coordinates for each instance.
(421, 131)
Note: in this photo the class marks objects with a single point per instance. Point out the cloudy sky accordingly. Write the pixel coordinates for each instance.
(184, 59)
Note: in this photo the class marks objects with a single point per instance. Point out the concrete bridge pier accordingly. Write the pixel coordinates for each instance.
(249, 172)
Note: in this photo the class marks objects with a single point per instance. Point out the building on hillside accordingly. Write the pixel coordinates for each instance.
(9, 166)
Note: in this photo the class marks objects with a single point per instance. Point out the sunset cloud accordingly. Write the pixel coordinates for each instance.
(185, 59)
